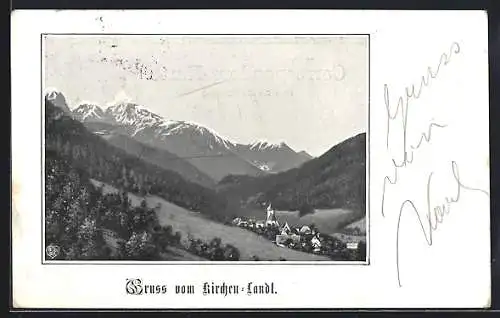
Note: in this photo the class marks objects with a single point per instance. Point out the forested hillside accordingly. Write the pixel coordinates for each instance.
(161, 158)
(104, 162)
(76, 213)
(337, 179)
(79, 218)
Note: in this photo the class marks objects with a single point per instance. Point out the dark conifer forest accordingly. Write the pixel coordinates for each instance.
(87, 223)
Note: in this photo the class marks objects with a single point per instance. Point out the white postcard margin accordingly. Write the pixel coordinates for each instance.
(451, 272)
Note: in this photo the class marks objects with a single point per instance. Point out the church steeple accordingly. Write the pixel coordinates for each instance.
(271, 217)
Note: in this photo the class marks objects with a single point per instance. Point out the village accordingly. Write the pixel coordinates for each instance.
(305, 238)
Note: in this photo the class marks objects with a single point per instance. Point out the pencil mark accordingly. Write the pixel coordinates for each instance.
(201, 88)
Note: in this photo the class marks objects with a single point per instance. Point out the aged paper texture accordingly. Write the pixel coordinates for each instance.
(197, 159)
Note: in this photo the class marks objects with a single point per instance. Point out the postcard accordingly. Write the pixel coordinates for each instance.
(250, 159)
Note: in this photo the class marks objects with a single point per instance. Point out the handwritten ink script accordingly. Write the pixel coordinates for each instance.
(400, 115)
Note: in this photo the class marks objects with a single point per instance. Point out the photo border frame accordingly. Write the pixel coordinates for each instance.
(44, 261)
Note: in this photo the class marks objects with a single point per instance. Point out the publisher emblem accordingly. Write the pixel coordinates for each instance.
(52, 251)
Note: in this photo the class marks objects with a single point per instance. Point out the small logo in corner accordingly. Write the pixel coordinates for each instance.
(52, 251)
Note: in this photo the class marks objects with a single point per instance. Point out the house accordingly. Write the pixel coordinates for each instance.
(281, 239)
(286, 230)
(352, 245)
(295, 238)
(236, 221)
(305, 230)
(296, 230)
(316, 243)
(288, 240)
(242, 223)
(260, 224)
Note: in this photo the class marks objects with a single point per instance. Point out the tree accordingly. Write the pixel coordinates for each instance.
(215, 252)
(231, 253)
(361, 251)
(177, 238)
(162, 236)
(140, 246)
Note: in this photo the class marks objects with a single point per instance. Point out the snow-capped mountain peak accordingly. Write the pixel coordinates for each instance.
(128, 113)
(266, 145)
(192, 128)
(57, 98)
(89, 111)
(187, 139)
(140, 118)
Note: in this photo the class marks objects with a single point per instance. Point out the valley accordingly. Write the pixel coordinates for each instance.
(198, 182)
(200, 146)
(193, 224)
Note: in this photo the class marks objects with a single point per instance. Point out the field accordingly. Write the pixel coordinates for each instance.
(177, 254)
(361, 224)
(326, 221)
(190, 223)
(349, 238)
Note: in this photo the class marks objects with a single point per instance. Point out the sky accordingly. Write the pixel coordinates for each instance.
(309, 92)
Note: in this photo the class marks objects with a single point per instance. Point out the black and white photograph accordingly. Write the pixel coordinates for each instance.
(203, 148)
(250, 160)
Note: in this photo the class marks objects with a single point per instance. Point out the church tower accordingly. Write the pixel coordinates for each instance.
(271, 217)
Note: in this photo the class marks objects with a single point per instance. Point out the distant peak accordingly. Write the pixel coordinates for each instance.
(53, 93)
(305, 154)
(88, 104)
(177, 127)
(132, 114)
(129, 107)
(51, 90)
(57, 98)
(122, 104)
(88, 111)
(266, 145)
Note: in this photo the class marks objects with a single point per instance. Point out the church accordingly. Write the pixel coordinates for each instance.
(271, 217)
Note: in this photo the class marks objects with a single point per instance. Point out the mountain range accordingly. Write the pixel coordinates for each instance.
(191, 165)
(103, 161)
(337, 179)
(213, 156)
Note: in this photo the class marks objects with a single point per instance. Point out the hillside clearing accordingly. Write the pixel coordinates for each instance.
(190, 223)
(361, 224)
(326, 221)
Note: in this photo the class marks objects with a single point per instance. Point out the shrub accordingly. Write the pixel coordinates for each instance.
(231, 253)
